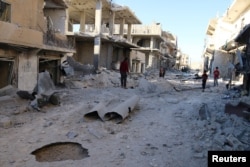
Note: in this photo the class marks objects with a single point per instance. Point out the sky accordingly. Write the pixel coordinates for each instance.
(187, 19)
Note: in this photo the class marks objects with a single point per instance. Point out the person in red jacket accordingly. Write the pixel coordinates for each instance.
(216, 76)
(124, 71)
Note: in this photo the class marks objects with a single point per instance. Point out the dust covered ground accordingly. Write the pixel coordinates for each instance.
(174, 124)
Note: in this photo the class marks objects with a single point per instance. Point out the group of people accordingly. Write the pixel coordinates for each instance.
(124, 71)
(204, 77)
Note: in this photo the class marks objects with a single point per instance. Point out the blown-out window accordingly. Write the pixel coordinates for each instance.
(4, 11)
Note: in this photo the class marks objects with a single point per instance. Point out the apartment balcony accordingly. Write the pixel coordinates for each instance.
(151, 30)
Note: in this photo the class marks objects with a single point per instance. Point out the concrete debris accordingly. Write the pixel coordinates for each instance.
(117, 112)
(241, 109)
(43, 93)
(146, 86)
(5, 122)
(204, 112)
(72, 135)
(85, 69)
(45, 84)
(67, 70)
(7, 90)
(234, 143)
(121, 111)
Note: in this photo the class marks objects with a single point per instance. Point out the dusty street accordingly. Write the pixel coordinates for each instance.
(165, 129)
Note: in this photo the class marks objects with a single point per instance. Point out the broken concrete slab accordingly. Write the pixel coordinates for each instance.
(45, 84)
(122, 110)
(97, 111)
(108, 111)
(204, 113)
(5, 122)
(7, 90)
(241, 109)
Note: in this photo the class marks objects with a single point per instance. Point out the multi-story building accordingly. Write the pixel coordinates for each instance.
(149, 39)
(40, 36)
(109, 32)
(223, 49)
(32, 39)
(168, 50)
(98, 41)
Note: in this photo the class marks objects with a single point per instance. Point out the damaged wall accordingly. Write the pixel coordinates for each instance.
(23, 28)
(58, 19)
(138, 61)
(221, 60)
(84, 52)
(14, 34)
(30, 14)
(28, 71)
(110, 55)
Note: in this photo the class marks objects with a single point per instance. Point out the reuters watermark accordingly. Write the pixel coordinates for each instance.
(228, 158)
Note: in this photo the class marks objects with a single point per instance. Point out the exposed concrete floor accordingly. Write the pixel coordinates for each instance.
(163, 130)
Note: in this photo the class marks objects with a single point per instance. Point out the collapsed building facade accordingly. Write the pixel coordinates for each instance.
(114, 32)
(225, 46)
(32, 40)
(41, 36)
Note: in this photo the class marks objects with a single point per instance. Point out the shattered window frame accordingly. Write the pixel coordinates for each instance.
(5, 10)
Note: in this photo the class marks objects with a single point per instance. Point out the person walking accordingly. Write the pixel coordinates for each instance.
(216, 76)
(124, 71)
(162, 72)
(204, 80)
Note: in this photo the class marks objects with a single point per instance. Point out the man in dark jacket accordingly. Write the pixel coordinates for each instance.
(124, 70)
(216, 76)
(204, 80)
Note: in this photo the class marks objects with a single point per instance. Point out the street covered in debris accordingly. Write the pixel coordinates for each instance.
(165, 122)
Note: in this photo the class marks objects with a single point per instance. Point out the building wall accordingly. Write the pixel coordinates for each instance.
(104, 55)
(137, 61)
(27, 71)
(85, 52)
(11, 33)
(58, 18)
(28, 15)
(221, 60)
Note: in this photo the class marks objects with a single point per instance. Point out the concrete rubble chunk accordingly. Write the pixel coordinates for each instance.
(45, 84)
(204, 112)
(241, 109)
(234, 142)
(7, 90)
(86, 69)
(5, 122)
(118, 112)
(122, 110)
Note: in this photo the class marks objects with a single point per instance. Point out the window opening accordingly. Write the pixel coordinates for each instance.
(4, 11)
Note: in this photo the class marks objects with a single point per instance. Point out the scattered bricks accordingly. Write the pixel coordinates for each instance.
(5, 122)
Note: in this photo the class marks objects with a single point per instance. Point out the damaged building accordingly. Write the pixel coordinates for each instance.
(32, 40)
(97, 41)
(227, 43)
(41, 37)
(108, 32)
